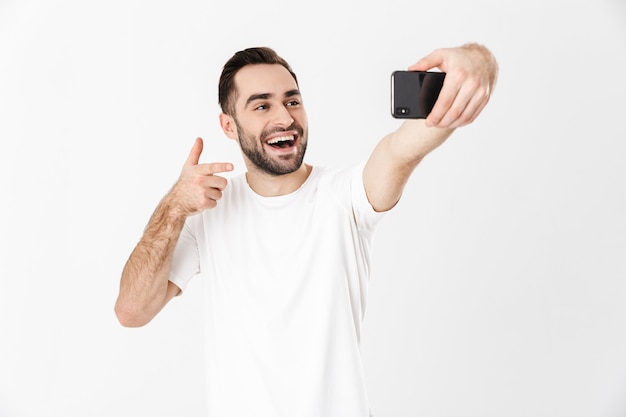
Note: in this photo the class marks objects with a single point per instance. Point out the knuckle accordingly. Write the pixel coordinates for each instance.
(459, 75)
(204, 202)
(214, 194)
(484, 92)
(197, 181)
(474, 84)
(454, 113)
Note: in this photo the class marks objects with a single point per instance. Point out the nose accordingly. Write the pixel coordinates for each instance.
(282, 116)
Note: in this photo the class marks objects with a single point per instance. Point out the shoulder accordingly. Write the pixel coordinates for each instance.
(324, 173)
(338, 184)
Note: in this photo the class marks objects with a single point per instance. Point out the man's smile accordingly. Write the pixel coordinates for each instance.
(282, 141)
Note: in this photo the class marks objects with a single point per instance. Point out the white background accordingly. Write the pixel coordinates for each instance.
(499, 282)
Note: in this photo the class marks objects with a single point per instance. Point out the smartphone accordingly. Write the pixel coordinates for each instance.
(414, 93)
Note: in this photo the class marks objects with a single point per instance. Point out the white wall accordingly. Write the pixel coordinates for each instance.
(499, 282)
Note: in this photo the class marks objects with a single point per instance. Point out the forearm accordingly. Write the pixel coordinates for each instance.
(412, 141)
(394, 159)
(144, 282)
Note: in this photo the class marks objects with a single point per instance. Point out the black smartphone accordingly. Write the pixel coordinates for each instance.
(414, 93)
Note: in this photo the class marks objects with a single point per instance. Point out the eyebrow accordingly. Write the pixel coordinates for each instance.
(265, 96)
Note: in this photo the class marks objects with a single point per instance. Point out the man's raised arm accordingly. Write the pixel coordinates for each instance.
(471, 74)
(145, 287)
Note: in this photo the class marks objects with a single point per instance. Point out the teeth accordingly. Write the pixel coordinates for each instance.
(279, 139)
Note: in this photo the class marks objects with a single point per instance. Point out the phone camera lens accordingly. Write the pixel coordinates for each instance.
(402, 111)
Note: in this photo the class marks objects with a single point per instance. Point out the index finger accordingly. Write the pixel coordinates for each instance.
(433, 60)
(214, 168)
(447, 95)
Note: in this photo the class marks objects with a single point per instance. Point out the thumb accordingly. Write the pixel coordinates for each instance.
(194, 155)
(430, 61)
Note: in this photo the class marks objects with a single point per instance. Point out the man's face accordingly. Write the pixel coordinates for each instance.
(271, 122)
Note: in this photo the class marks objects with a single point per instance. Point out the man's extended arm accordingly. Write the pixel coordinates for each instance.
(471, 73)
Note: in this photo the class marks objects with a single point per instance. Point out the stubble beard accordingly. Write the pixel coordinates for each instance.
(252, 147)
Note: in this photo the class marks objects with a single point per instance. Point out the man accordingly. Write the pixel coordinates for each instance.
(284, 249)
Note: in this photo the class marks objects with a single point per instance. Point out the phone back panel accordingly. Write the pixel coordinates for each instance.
(414, 93)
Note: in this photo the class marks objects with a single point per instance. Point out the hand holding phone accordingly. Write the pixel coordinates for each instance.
(414, 93)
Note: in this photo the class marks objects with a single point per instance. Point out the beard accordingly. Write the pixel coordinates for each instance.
(252, 147)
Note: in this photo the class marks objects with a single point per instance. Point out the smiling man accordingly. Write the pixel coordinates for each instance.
(267, 101)
(284, 249)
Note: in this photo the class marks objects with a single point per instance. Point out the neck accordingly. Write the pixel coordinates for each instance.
(268, 185)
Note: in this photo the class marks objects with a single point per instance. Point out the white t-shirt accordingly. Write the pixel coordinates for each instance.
(285, 281)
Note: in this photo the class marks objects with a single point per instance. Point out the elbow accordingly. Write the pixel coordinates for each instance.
(129, 316)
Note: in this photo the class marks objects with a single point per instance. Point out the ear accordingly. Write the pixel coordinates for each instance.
(228, 126)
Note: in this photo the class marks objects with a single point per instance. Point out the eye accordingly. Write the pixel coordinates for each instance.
(261, 107)
(293, 103)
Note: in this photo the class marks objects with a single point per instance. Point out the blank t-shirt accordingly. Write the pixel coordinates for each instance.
(285, 286)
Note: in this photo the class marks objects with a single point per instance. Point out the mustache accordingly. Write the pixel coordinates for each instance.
(294, 126)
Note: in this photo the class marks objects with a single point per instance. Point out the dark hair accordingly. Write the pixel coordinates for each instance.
(227, 93)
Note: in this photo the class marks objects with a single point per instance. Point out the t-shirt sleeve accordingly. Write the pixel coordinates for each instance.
(186, 259)
(366, 217)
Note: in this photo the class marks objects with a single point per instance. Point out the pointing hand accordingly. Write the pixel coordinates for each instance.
(197, 188)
